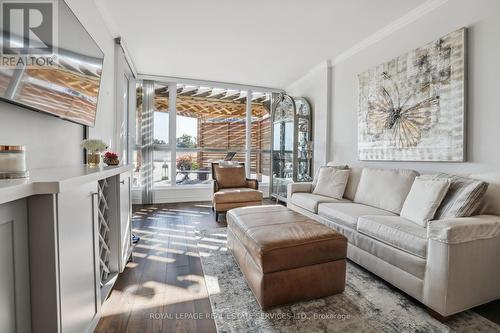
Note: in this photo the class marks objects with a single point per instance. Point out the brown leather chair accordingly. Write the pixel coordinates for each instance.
(232, 189)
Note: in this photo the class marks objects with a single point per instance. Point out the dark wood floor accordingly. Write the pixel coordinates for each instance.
(163, 289)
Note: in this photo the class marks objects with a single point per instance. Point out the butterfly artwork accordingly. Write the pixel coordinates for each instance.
(401, 119)
(412, 108)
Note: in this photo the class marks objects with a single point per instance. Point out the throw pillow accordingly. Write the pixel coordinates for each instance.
(490, 205)
(316, 175)
(331, 182)
(463, 198)
(426, 194)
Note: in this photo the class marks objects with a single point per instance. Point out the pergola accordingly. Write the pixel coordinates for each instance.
(221, 116)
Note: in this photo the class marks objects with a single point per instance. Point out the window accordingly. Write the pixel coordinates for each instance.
(210, 125)
(162, 150)
(260, 157)
(160, 121)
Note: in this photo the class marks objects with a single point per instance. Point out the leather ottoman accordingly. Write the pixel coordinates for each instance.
(285, 256)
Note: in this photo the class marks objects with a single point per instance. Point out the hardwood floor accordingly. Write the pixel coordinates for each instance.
(163, 289)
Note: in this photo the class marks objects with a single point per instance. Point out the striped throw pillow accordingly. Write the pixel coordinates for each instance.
(463, 197)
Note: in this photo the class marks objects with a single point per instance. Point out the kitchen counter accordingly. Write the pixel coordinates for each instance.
(55, 180)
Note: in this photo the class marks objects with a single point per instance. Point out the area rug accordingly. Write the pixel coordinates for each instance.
(368, 304)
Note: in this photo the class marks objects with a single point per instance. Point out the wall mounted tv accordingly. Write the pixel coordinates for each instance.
(49, 62)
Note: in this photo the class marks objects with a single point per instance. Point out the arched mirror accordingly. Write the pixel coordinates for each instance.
(292, 146)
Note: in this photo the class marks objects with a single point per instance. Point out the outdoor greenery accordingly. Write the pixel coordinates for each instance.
(159, 142)
(186, 141)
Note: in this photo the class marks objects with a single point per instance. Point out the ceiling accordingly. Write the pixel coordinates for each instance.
(267, 43)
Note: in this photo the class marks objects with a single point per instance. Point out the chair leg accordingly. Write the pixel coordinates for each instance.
(216, 216)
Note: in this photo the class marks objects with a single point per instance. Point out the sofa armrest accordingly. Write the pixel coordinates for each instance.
(464, 229)
(298, 187)
(462, 269)
(253, 183)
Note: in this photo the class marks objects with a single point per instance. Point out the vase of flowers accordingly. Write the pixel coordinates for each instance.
(111, 158)
(94, 149)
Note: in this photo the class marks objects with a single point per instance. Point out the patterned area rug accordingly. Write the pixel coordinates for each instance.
(368, 304)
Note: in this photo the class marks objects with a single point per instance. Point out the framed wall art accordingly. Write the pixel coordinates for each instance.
(412, 108)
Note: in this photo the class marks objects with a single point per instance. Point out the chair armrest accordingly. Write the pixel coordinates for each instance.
(464, 229)
(253, 183)
(216, 186)
(298, 187)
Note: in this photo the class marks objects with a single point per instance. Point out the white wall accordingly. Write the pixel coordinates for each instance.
(315, 87)
(53, 142)
(90, 17)
(482, 18)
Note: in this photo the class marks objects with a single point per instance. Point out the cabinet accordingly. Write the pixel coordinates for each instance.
(14, 272)
(58, 230)
(78, 263)
(64, 260)
(125, 219)
(291, 144)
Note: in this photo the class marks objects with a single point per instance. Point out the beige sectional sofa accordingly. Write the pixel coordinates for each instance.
(450, 265)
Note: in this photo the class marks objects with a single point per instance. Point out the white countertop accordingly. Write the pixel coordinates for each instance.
(55, 180)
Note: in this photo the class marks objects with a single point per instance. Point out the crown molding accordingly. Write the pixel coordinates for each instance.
(379, 35)
(389, 29)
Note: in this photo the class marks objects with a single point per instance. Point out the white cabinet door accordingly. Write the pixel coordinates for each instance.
(14, 268)
(125, 220)
(80, 299)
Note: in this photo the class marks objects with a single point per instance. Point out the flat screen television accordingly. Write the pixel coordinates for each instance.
(61, 77)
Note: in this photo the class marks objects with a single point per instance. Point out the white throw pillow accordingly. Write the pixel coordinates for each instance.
(330, 165)
(331, 182)
(426, 194)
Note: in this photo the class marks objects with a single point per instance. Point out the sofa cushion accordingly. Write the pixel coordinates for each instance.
(384, 188)
(331, 182)
(425, 196)
(310, 201)
(229, 195)
(347, 214)
(396, 231)
(352, 182)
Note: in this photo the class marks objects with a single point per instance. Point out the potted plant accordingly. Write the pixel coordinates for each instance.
(94, 148)
(184, 162)
(111, 158)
